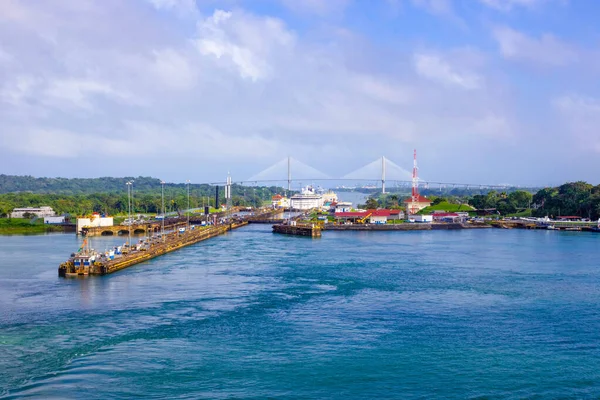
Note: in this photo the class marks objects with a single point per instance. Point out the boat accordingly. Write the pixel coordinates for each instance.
(307, 199)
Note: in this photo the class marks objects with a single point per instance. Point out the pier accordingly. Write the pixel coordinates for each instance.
(298, 229)
(86, 262)
(154, 248)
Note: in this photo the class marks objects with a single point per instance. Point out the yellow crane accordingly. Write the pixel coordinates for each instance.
(364, 219)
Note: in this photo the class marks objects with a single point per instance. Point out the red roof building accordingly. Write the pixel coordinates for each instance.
(416, 206)
(375, 216)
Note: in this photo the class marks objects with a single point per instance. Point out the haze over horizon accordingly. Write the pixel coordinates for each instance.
(487, 91)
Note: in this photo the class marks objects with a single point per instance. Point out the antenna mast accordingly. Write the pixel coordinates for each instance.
(415, 183)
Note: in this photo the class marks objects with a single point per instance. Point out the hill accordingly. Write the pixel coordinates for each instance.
(16, 184)
(446, 206)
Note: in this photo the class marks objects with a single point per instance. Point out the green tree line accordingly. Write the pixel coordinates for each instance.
(574, 198)
(144, 200)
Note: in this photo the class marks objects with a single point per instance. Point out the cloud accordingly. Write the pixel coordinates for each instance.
(173, 69)
(233, 88)
(435, 68)
(441, 8)
(581, 118)
(317, 7)
(59, 143)
(79, 93)
(508, 5)
(245, 41)
(545, 50)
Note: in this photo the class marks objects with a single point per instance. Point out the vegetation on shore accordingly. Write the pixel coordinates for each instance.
(22, 226)
(144, 201)
(573, 199)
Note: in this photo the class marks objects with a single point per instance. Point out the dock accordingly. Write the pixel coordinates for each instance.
(154, 248)
(298, 229)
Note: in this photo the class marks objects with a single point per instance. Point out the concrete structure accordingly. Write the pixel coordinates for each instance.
(95, 221)
(416, 204)
(306, 200)
(279, 201)
(54, 220)
(40, 212)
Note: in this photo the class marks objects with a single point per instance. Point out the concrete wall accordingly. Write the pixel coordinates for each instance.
(54, 220)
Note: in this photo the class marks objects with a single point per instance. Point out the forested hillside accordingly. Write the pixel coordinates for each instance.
(13, 183)
(109, 195)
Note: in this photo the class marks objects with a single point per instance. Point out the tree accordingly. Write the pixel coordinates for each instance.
(371, 203)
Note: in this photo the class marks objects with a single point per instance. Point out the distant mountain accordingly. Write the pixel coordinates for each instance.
(15, 184)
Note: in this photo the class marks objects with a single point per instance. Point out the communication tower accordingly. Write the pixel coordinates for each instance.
(414, 207)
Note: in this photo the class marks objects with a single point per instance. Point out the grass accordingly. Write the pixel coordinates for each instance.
(445, 206)
(23, 226)
(524, 213)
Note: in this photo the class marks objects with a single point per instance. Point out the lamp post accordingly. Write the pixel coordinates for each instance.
(162, 184)
(188, 206)
(129, 190)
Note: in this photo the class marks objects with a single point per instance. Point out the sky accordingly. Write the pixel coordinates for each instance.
(487, 91)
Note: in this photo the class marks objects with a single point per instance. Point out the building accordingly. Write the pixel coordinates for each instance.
(370, 216)
(54, 220)
(307, 199)
(448, 217)
(94, 221)
(279, 201)
(566, 218)
(40, 212)
(424, 218)
(343, 206)
(416, 206)
(330, 197)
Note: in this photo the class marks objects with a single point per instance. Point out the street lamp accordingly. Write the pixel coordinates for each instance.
(162, 183)
(188, 206)
(129, 193)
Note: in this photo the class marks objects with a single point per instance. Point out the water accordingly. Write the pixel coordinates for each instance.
(456, 314)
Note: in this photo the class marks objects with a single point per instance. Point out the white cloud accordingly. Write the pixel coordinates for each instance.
(79, 93)
(180, 5)
(440, 8)
(19, 90)
(545, 50)
(318, 7)
(173, 69)
(248, 42)
(234, 88)
(581, 119)
(507, 5)
(435, 68)
(58, 143)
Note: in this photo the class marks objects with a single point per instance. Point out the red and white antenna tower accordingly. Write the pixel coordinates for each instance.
(415, 184)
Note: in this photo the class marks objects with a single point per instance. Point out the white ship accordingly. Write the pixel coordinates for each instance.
(306, 199)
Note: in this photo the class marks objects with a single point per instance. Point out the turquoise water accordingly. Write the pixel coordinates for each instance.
(453, 314)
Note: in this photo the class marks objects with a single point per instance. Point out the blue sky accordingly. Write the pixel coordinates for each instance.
(487, 91)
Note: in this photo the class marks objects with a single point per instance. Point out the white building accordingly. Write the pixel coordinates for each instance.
(94, 221)
(41, 212)
(279, 201)
(421, 218)
(343, 206)
(306, 200)
(330, 197)
(54, 220)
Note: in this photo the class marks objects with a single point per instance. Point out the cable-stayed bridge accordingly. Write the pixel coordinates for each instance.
(375, 174)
